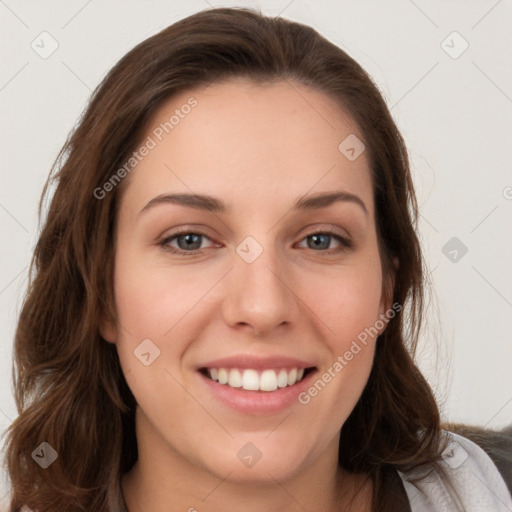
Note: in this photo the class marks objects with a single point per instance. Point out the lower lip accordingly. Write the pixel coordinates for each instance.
(257, 402)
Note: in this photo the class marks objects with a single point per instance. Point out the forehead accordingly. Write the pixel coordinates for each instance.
(248, 141)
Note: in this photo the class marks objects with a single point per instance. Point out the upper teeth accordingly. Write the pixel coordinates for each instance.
(252, 380)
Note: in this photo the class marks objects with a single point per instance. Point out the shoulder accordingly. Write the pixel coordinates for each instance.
(466, 479)
(497, 444)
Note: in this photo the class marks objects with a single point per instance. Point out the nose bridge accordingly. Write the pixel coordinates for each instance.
(258, 293)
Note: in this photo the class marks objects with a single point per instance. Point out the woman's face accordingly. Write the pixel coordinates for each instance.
(247, 284)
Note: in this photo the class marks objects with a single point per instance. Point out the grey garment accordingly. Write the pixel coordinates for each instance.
(496, 443)
(478, 484)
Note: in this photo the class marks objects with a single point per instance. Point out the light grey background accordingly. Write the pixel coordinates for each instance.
(455, 114)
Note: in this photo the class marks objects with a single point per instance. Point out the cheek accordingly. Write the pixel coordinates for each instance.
(348, 306)
(152, 299)
(152, 304)
(168, 305)
(347, 301)
(349, 309)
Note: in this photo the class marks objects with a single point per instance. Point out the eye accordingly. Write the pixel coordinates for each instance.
(184, 242)
(190, 243)
(321, 241)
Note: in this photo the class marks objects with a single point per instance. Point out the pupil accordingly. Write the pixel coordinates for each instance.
(189, 239)
(318, 242)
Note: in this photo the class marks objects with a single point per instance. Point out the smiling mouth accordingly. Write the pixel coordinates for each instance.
(250, 379)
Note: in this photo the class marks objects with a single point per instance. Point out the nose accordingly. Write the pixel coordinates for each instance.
(259, 296)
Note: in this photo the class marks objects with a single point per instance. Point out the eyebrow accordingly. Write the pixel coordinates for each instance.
(214, 205)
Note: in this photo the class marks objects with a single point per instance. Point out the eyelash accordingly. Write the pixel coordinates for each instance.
(345, 243)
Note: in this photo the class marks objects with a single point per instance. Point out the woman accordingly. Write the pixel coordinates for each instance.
(227, 292)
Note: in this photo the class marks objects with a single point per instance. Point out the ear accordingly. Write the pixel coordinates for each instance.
(108, 330)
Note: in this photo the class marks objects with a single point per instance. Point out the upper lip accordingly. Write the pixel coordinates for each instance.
(258, 362)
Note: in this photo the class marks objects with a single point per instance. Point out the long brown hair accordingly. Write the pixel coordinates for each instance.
(69, 387)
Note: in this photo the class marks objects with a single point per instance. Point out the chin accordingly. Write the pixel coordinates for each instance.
(258, 460)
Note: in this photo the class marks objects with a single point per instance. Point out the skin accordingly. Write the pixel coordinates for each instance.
(258, 148)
